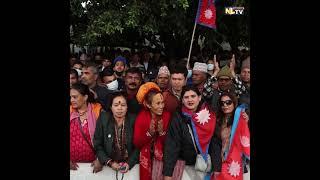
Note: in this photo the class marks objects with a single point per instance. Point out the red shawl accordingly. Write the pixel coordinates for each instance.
(143, 142)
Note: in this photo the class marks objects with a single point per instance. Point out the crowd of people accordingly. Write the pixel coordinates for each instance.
(168, 117)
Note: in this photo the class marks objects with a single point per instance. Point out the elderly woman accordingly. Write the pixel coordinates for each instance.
(190, 136)
(233, 136)
(150, 131)
(114, 135)
(83, 115)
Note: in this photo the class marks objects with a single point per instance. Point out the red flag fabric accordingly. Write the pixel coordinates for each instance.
(206, 14)
(204, 123)
(232, 167)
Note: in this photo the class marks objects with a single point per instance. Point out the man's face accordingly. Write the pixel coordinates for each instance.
(162, 81)
(132, 81)
(157, 56)
(245, 75)
(198, 77)
(146, 56)
(119, 66)
(135, 58)
(108, 79)
(88, 76)
(72, 61)
(106, 63)
(177, 81)
(224, 82)
(73, 79)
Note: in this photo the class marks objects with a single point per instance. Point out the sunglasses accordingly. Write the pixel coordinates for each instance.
(227, 102)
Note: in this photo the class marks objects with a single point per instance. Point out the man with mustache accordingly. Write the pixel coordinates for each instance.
(133, 80)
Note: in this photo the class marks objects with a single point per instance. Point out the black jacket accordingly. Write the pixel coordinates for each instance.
(104, 134)
(103, 95)
(179, 145)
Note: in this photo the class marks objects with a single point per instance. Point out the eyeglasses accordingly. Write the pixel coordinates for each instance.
(227, 102)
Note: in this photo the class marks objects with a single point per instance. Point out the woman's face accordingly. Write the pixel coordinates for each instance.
(77, 100)
(157, 104)
(119, 107)
(227, 105)
(191, 100)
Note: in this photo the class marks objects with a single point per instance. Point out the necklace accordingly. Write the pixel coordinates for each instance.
(119, 139)
(82, 113)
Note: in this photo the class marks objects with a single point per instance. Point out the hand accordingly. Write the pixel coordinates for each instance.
(215, 86)
(215, 175)
(97, 166)
(216, 66)
(160, 126)
(73, 166)
(167, 178)
(124, 165)
(152, 128)
(115, 166)
(245, 115)
(233, 65)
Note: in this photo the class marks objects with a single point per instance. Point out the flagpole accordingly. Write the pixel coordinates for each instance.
(194, 29)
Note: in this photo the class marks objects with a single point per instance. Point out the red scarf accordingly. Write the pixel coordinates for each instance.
(143, 142)
(204, 121)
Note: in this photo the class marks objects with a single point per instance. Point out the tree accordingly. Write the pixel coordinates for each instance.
(122, 22)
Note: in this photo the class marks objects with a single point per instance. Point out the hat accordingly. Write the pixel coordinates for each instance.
(164, 70)
(225, 71)
(200, 67)
(120, 58)
(144, 89)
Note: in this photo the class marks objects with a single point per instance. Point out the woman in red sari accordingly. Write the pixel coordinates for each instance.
(150, 131)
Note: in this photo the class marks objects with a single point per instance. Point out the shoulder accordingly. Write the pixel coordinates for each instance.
(166, 115)
(131, 117)
(96, 107)
(105, 117)
(177, 117)
(142, 115)
(167, 94)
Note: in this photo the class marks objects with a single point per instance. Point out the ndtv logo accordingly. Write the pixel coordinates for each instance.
(234, 10)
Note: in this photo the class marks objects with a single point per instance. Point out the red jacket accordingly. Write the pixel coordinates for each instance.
(171, 102)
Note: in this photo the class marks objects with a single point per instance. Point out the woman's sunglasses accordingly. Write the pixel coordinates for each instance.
(227, 102)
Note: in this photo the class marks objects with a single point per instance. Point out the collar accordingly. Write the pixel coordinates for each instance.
(175, 93)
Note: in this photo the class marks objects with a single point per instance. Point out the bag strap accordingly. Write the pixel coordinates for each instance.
(194, 144)
(117, 175)
(85, 138)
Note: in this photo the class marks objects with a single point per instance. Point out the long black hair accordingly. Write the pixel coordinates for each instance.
(220, 114)
(84, 90)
